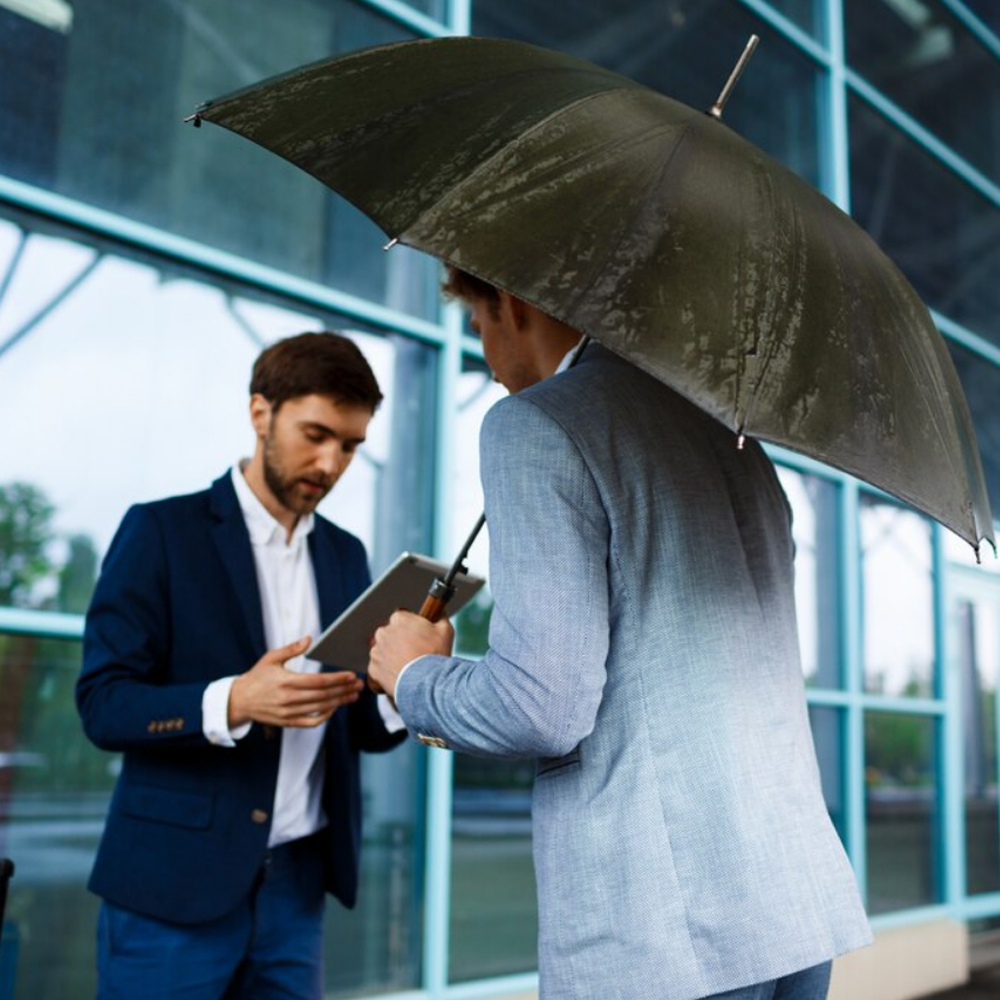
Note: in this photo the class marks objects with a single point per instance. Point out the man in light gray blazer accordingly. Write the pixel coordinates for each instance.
(643, 647)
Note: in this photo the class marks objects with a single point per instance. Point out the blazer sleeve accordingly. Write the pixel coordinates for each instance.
(124, 694)
(537, 691)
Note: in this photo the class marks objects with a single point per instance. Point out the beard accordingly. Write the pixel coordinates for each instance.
(289, 490)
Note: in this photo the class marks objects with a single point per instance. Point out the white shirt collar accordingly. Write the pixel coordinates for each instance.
(263, 528)
(564, 364)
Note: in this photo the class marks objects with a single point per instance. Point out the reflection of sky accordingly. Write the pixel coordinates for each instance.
(135, 386)
(804, 534)
(476, 394)
(898, 606)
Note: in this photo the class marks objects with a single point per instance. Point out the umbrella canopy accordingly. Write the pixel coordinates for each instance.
(651, 227)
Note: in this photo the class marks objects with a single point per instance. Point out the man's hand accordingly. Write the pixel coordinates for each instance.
(402, 639)
(270, 694)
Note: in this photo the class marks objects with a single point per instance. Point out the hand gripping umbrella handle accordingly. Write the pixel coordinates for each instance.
(442, 590)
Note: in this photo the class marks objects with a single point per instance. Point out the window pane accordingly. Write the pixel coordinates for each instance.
(943, 235)
(687, 49)
(123, 364)
(977, 640)
(898, 600)
(54, 792)
(494, 923)
(981, 382)
(923, 59)
(74, 134)
(828, 736)
(987, 11)
(807, 14)
(902, 808)
(814, 529)
(127, 381)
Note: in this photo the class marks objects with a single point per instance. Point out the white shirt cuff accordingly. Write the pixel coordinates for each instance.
(391, 719)
(215, 715)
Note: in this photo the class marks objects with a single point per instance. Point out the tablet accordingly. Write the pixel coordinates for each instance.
(404, 584)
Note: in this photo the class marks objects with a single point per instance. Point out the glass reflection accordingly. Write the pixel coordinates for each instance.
(981, 383)
(686, 49)
(902, 810)
(922, 58)
(54, 792)
(71, 130)
(126, 380)
(828, 737)
(814, 531)
(944, 236)
(494, 922)
(977, 637)
(898, 600)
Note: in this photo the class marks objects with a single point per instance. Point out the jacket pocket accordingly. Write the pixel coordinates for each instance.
(191, 809)
(549, 765)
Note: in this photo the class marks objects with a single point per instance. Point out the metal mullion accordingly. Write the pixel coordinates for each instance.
(800, 38)
(177, 248)
(971, 22)
(924, 138)
(967, 338)
(440, 763)
(460, 16)
(404, 14)
(503, 986)
(44, 624)
(951, 840)
(853, 752)
(899, 705)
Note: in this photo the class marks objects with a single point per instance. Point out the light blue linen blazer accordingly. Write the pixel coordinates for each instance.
(643, 646)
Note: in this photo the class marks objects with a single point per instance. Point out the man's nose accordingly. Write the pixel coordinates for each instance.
(333, 460)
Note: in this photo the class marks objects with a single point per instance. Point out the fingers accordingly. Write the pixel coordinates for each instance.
(284, 653)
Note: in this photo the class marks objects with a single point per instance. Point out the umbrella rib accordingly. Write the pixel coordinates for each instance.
(493, 157)
(654, 182)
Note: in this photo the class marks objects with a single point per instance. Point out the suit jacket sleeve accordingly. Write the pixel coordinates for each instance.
(537, 691)
(124, 693)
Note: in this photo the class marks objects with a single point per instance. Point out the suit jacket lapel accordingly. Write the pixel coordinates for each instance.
(233, 543)
(327, 570)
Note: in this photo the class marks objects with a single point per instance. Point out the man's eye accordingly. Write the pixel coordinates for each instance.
(350, 448)
(315, 437)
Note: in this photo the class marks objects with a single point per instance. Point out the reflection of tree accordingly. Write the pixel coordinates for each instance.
(898, 751)
(26, 535)
(37, 675)
(472, 625)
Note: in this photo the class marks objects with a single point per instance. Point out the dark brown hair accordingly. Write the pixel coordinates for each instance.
(324, 364)
(462, 285)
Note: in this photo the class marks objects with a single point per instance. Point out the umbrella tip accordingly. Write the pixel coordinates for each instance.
(195, 120)
(716, 109)
(741, 440)
(391, 243)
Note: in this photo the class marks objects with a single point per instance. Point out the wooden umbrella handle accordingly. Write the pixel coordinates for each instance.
(433, 609)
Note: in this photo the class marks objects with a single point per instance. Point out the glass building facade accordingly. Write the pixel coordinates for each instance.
(143, 265)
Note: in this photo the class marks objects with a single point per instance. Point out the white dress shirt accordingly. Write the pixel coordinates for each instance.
(290, 607)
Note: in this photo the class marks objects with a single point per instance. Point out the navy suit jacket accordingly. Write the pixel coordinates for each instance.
(176, 607)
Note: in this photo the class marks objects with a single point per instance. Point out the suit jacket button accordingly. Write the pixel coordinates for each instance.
(270, 732)
(259, 816)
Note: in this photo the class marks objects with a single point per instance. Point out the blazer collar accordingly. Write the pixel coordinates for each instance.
(232, 540)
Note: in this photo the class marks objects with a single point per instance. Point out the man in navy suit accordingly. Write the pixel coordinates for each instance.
(239, 803)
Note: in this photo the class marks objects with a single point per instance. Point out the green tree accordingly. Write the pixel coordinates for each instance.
(26, 534)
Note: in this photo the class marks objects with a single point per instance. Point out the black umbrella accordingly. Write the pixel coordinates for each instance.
(651, 227)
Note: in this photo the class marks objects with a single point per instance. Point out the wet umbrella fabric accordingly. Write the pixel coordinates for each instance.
(651, 227)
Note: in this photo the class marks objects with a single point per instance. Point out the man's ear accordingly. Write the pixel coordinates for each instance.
(260, 414)
(518, 310)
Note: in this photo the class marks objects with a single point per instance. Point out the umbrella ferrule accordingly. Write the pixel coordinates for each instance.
(716, 109)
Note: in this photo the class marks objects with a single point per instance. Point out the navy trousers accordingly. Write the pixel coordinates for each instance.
(269, 948)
